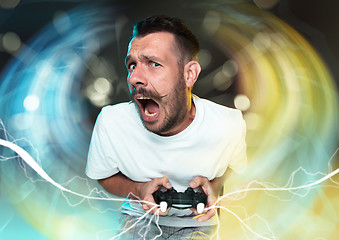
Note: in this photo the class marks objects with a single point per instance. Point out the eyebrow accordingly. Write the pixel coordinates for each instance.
(151, 57)
(143, 56)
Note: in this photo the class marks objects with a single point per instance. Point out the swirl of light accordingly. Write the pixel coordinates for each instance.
(292, 124)
(43, 110)
(291, 115)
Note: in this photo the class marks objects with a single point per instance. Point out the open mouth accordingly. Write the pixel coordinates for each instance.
(149, 108)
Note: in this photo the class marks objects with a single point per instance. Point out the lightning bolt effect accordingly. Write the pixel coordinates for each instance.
(289, 190)
(147, 221)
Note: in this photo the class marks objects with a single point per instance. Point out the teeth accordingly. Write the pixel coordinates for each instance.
(148, 114)
(143, 98)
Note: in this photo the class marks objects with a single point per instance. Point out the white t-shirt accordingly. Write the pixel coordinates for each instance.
(214, 141)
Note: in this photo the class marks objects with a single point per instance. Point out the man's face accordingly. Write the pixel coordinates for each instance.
(156, 83)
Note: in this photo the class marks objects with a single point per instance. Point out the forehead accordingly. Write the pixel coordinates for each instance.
(160, 43)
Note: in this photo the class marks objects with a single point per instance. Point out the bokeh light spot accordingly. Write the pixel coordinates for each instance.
(221, 81)
(11, 42)
(98, 92)
(253, 121)
(262, 41)
(211, 22)
(21, 121)
(230, 68)
(205, 58)
(103, 86)
(31, 103)
(9, 3)
(242, 102)
(265, 4)
(61, 22)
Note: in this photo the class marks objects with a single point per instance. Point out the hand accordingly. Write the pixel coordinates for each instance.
(207, 187)
(147, 189)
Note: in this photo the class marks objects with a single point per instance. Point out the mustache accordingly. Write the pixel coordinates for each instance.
(150, 94)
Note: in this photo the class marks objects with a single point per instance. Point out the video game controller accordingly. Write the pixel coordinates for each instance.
(180, 200)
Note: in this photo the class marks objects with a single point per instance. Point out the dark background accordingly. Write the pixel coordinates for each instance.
(316, 20)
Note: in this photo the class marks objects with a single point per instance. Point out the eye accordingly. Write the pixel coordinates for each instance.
(155, 64)
(131, 66)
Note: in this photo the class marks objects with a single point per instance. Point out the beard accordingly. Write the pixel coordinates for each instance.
(175, 111)
(174, 105)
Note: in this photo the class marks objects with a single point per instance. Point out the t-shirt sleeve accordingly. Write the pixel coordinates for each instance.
(238, 160)
(101, 159)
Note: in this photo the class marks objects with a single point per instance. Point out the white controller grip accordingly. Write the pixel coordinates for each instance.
(200, 208)
(163, 206)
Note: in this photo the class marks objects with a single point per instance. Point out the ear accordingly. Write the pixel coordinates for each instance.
(191, 72)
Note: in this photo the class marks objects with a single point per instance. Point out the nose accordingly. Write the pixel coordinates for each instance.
(137, 78)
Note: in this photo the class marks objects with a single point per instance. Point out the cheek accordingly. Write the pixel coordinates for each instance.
(163, 82)
(130, 88)
(159, 83)
(168, 82)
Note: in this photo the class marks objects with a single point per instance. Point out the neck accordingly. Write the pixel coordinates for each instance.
(191, 110)
(188, 119)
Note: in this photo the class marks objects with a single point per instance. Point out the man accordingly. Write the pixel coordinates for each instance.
(167, 138)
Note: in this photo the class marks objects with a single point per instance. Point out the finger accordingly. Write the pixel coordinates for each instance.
(209, 214)
(157, 211)
(211, 200)
(148, 203)
(164, 181)
(149, 200)
(195, 183)
(194, 211)
(145, 207)
(152, 209)
(198, 181)
(164, 213)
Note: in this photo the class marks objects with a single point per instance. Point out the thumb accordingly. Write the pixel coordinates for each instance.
(166, 183)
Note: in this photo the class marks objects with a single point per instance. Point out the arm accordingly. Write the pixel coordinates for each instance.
(122, 186)
(212, 189)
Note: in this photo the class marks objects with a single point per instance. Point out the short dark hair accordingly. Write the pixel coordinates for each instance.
(187, 43)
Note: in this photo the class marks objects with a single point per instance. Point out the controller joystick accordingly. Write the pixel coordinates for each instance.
(180, 200)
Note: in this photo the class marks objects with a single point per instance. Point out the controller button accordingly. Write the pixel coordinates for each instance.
(200, 208)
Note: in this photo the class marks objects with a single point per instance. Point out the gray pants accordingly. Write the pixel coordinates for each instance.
(149, 230)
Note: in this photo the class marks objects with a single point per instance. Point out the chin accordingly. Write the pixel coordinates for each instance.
(152, 129)
(155, 129)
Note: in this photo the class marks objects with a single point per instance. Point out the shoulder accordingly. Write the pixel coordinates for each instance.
(217, 110)
(114, 114)
(221, 119)
(117, 109)
(113, 109)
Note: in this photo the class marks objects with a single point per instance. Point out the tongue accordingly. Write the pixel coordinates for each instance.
(152, 107)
